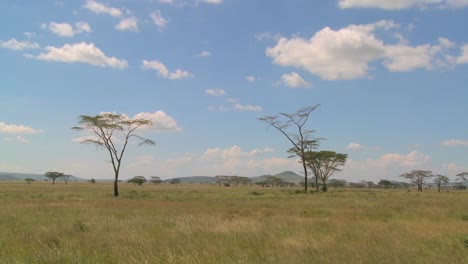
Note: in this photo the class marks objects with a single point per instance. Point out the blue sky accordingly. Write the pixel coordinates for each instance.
(390, 77)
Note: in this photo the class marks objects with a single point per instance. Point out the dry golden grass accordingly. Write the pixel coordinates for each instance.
(83, 223)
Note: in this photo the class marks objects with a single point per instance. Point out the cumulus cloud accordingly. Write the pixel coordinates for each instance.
(128, 24)
(354, 146)
(250, 78)
(402, 4)
(215, 92)
(159, 20)
(99, 8)
(13, 129)
(347, 52)
(216, 2)
(67, 30)
(455, 143)
(294, 80)
(387, 166)
(161, 122)
(204, 54)
(162, 70)
(14, 44)
(249, 108)
(81, 52)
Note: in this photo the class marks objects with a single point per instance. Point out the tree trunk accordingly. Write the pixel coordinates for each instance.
(438, 187)
(116, 186)
(305, 173)
(316, 183)
(324, 187)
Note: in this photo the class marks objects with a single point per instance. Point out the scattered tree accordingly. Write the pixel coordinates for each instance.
(66, 178)
(106, 126)
(385, 184)
(440, 180)
(174, 181)
(137, 180)
(324, 164)
(302, 140)
(93, 181)
(53, 175)
(29, 180)
(462, 176)
(156, 180)
(418, 177)
(338, 183)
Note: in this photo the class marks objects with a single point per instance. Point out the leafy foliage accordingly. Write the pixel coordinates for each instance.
(109, 129)
(53, 175)
(302, 140)
(418, 177)
(137, 180)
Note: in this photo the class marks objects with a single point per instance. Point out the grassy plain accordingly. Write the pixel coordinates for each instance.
(83, 223)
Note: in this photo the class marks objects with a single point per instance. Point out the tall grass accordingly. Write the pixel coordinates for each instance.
(84, 223)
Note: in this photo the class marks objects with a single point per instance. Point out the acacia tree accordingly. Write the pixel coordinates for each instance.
(113, 132)
(418, 177)
(440, 180)
(462, 176)
(302, 140)
(156, 180)
(66, 178)
(53, 175)
(137, 180)
(324, 164)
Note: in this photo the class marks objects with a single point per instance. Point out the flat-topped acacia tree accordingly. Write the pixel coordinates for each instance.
(113, 131)
(302, 139)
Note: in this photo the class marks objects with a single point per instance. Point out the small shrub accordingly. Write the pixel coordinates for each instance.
(465, 241)
(79, 226)
(256, 193)
(464, 217)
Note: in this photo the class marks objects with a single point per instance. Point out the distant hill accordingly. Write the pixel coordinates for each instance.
(288, 176)
(12, 176)
(195, 179)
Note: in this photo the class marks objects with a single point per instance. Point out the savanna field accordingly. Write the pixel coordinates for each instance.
(84, 223)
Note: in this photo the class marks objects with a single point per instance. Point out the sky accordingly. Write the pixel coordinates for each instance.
(390, 78)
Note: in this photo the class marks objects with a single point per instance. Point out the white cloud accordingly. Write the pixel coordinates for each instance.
(250, 78)
(216, 2)
(215, 92)
(234, 152)
(17, 129)
(162, 70)
(14, 44)
(354, 146)
(250, 108)
(66, 30)
(159, 20)
(61, 29)
(180, 74)
(81, 52)
(99, 8)
(128, 24)
(267, 36)
(294, 80)
(388, 166)
(402, 4)
(161, 122)
(463, 58)
(204, 54)
(346, 53)
(455, 143)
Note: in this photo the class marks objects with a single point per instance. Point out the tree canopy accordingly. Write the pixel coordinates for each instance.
(418, 177)
(113, 132)
(324, 164)
(292, 126)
